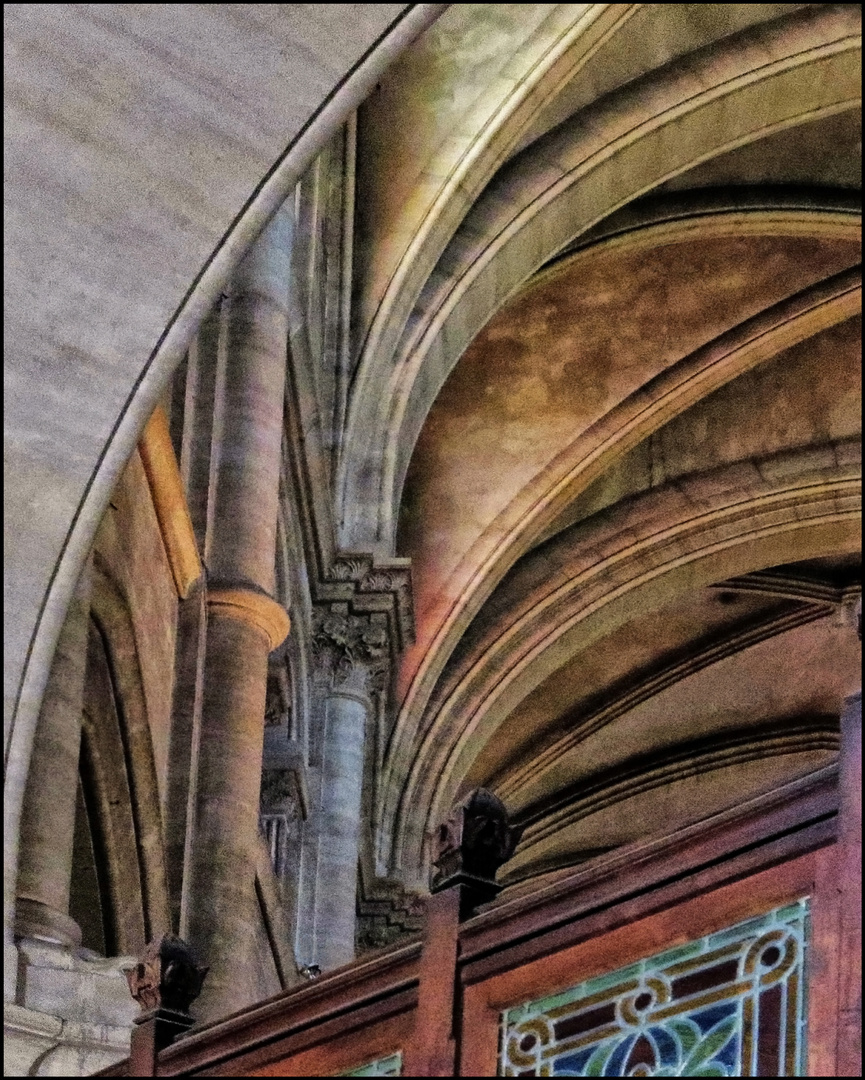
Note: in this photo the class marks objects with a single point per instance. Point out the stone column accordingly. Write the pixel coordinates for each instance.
(351, 661)
(244, 622)
(341, 788)
(48, 818)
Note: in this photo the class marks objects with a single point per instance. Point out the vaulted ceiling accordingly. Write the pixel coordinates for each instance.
(605, 381)
(618, 323)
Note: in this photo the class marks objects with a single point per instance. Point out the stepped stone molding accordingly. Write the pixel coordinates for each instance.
(253, 608)
(387, 913)
(587, 585)
(372, 585)
(592, 716)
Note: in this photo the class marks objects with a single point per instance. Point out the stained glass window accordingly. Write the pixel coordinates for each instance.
(388, 1066)
(730, 1004)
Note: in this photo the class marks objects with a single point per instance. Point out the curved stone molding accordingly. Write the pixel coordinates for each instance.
(707, 223)
(498, 109)
(654, 404)
(716, 99)
(253, 608)
(169, 501)
(591, 578)
(823, 213)
(586, 721)
(601, 791)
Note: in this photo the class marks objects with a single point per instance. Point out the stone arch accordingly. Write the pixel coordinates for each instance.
(46, 586)
(653, 404)
(660, 126)
(633, 557)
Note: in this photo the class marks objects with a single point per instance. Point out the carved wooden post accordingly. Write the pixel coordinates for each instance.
(468, 850)
(165, 982)
(849, 885)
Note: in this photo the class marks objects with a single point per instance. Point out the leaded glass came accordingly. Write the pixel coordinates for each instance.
(730, 1004)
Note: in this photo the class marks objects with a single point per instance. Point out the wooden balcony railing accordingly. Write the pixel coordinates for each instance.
(434, 1007)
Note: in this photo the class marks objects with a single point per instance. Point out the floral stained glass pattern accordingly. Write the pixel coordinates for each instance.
(730, 1004)
(389, 1066)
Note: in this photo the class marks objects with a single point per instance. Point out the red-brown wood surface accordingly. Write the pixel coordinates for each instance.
(627, 905)
(484, 1001)
(849, 884)
(338, 1052)
(349, 1002)
(432, 1051)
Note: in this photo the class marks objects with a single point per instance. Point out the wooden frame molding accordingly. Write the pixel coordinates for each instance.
(169, 500)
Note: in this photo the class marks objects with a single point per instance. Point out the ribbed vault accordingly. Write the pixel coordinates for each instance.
(631, 376)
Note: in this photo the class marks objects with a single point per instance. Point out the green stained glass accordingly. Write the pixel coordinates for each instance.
(387, 1066)
(730, 1004)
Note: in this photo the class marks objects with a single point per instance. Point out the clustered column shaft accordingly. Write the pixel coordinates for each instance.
(48, 819)
(244, 622)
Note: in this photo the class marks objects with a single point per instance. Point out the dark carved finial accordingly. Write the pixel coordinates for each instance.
(472, 844)
(168, 976)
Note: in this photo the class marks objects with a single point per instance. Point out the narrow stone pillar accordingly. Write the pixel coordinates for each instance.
(341, 788)
(244, 622)
(48, 818)
(352, 665)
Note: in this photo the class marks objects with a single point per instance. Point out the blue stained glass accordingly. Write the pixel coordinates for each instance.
(707, 1018)
(725, 1005)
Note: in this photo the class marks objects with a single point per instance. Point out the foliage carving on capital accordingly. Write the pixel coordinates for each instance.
(351, 648)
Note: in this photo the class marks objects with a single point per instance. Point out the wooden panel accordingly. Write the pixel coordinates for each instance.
(797, 819)
(352, 1002)
(340, 1052)
(703, 914)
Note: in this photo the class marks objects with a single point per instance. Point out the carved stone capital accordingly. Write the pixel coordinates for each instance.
(168, 976)
(471, 845)
(253, 608)
(351, 652)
